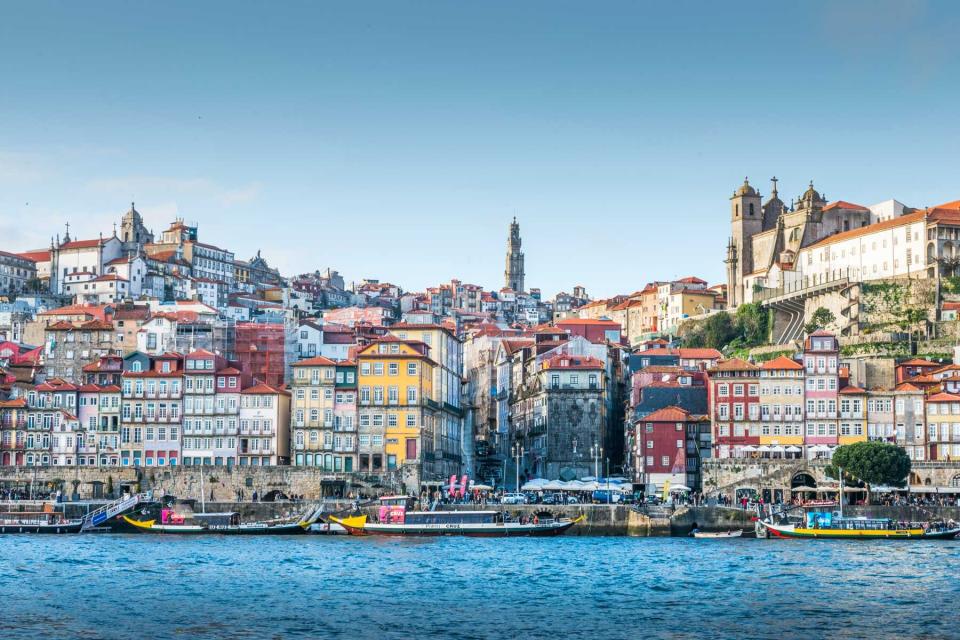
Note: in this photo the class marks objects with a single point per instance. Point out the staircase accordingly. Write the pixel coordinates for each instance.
(111, 509)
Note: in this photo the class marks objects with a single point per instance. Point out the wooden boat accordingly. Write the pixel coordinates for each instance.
(718, 534)
(862, 529)
(457, 523)
(38, 522)
(218, 523)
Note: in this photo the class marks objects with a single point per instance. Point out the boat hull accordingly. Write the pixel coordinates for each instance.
(150, 526)
(780, 531)
(358, 526)
(68, 527)
(707, 535)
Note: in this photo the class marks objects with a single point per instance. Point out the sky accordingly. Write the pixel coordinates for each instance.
(396, 140)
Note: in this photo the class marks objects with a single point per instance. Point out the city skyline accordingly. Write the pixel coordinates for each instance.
(344, 127)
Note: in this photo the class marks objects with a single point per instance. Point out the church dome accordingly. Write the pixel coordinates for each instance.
(811, 194)
(745, 189)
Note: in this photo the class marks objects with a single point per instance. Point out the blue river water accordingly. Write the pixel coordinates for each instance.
(138, 586)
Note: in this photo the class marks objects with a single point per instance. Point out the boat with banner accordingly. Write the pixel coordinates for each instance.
(396, 519)
(831, 525)
(826, 525)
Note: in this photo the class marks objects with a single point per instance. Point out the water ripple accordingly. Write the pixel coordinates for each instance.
(572, 587)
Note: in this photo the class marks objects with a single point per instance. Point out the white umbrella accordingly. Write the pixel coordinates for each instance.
(680, 487)
(481, 487)
(793, 449)
(764, 449)
(555, 485)
(777, 448)
(749, 447)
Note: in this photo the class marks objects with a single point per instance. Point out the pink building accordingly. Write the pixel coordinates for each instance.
(821, 362)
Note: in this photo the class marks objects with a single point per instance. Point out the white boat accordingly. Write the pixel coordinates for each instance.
(719, 534)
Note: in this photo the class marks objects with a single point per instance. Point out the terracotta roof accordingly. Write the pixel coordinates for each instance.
(692, 280)
(512, 346)
(229, 371)
(782, 362)
(662, 368)
(667, 414)
(843, 204)
(906, 386)
(689, 353)
(735, 364)
(944, 397)
(918, 362)
(19, 403)
(264, 389)
(565, 361)
(97, 325)
(93, 388)
(587, 321)
(315, 362)
(851, 390)
(893, 223)
(41, 255)
(110, 277)
(81, 244)
(76, 309)
(943, 369)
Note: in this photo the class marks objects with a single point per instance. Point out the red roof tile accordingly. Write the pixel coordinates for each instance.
(667, 414)
(318, 361)
(782, 363)
(843, 204)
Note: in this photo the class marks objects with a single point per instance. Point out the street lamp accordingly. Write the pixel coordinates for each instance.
(517, 452)
(596, 453)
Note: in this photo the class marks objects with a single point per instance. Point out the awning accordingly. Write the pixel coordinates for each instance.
(929, 489)
(799, 489)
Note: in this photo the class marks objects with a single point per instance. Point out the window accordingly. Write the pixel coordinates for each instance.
(411, 368)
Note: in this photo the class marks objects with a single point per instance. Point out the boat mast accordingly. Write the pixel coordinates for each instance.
(841, 492)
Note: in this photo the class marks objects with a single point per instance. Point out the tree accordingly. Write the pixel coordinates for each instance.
(752, 324)
(872, 463)
(820, 319)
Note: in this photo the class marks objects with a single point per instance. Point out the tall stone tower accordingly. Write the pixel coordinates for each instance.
(133, 233)
(513, 276)
(746, 220)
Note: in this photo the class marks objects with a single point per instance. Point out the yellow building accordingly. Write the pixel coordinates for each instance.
(781, 403)
(446, 350)
(397, 412)
(853, 415)
(311, 413)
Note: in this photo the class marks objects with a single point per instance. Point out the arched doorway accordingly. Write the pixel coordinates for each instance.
(802, 479)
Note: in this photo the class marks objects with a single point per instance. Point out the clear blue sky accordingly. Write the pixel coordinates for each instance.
(396, 140)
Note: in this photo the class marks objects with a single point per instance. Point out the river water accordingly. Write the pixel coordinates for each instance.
(140, 586)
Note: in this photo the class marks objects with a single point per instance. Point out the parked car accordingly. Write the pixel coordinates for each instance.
(513, 498)
(607, 497)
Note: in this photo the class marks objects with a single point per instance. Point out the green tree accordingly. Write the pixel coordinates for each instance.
(718, 330)
(820, 319)
(872, 463)
(752, 323)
